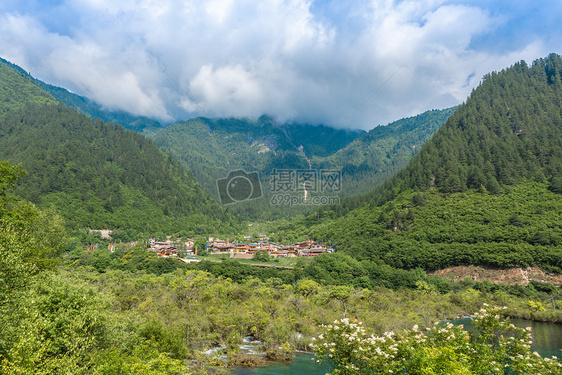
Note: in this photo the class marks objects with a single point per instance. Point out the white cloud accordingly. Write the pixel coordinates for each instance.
(245, 58)
(219, 9)
(230, 87)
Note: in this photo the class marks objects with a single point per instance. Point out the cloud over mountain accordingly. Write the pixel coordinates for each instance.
(309, 61)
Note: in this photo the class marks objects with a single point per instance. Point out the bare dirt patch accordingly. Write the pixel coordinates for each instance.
(521, 276)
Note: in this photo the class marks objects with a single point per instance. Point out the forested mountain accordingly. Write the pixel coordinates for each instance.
(16, 92)
(97, 174)
(375, 157)
(212, 148)
(84, 105)
(509, 130)
(484, 190)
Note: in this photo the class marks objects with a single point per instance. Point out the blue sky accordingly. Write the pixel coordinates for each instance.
(297, 60)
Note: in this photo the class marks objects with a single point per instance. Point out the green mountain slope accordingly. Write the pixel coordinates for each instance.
(82, 104)
(16, 92)
(484, 190)
(510, 129)
(212, 148)
(378, 155)
(99, 174)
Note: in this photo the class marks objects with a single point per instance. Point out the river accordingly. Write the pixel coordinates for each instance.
(547, 340)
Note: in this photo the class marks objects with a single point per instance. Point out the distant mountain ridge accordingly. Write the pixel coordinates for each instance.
(211, 148)
(378, 155)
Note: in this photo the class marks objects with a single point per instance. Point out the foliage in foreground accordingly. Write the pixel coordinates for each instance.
(497, 347)
(63, 325)
(108, 316)
(56, 324)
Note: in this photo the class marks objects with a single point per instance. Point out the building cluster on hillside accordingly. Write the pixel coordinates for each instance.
(249, 249)
(245, 249)
(171, 248)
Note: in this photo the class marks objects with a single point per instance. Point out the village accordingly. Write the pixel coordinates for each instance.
(237, 249)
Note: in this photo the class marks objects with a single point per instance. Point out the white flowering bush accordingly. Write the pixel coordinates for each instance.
(497, 347)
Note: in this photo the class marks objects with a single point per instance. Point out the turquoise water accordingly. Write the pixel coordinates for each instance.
(301, 365)
(547, 340)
